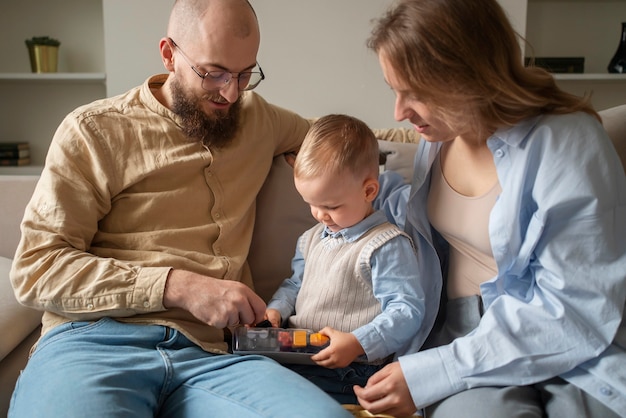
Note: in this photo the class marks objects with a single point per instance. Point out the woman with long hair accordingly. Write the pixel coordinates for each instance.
(518, 209)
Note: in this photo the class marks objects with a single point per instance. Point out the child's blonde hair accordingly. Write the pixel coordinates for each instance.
(337, 144)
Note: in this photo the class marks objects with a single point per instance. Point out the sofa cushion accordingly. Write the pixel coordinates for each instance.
(614, 121)
(400, 156)
(16, 321)
(281, 216)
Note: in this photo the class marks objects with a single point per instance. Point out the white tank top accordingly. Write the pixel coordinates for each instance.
(464, 222)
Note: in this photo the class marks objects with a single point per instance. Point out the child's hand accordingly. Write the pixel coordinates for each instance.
(273, 316)
(344, 348)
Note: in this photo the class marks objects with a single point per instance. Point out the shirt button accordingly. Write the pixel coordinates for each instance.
(146, 304)
(217, 215)
(499, 153)
(90, 306)
(606, 391)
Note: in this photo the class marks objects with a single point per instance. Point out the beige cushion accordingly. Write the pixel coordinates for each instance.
(281, 217)
(16, 321)
(614, 121)
(400, 156)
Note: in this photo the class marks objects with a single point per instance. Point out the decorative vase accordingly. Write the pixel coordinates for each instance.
(43, 52)
(43, 58)
(618, 62)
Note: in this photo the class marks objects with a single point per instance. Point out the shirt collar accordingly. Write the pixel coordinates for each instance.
(514, 135)
(151, 102)
(354, 232)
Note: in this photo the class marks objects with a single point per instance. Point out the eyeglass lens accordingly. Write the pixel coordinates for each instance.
(215, 80)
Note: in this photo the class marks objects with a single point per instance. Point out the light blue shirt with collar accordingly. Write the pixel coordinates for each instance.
(395, 285)
(558, 235)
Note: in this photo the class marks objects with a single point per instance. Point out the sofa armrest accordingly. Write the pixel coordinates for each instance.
(16, 321)
(16, 191)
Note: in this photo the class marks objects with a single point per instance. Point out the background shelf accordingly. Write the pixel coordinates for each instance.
(611, 78)
(53, 77)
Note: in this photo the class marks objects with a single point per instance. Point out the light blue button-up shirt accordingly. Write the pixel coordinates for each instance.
(558, 235)
(395, 285)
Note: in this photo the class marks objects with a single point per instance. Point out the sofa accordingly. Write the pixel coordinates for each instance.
(282, 217)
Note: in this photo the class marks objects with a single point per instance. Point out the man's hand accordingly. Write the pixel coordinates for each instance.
(386, 392)
(344, 348)
(219, 303)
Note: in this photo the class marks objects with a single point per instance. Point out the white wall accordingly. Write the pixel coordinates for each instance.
(312, 51)
(315, 56)
(316, 60)
(132, 31)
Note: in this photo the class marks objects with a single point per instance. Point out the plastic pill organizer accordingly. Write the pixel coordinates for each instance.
(282, 344)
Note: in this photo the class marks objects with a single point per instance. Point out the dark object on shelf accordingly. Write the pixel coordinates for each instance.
(618, 62)
(11, 150)
(558, 64)
(14, 153)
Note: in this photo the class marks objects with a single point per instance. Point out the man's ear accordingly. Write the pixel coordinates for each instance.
(371, 187)
(167, 54)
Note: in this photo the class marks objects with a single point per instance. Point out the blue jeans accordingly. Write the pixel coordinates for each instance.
(110, 369)
(338, 383)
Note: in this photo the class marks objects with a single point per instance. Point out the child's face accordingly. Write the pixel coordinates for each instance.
(338, 201)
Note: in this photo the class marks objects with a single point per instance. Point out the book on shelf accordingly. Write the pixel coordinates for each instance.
(14, 161)
(10, 151)
(4, 145)
(14, 153)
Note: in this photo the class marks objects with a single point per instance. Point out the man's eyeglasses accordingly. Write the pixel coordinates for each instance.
(218, 79)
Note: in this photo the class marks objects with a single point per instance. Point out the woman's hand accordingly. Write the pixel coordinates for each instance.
(387, 392)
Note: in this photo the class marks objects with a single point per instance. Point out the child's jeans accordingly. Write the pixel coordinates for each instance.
(338, 383)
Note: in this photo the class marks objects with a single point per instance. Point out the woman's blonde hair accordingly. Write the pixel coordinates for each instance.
(462, 58)
(337, 144)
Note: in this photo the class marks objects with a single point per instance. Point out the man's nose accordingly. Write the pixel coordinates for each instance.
(230, 91)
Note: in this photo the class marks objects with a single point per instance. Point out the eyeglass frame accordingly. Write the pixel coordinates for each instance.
(233, 74)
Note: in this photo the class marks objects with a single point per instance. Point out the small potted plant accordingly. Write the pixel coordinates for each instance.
(43, 52)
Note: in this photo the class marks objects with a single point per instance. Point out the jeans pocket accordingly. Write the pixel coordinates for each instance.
(65, 330)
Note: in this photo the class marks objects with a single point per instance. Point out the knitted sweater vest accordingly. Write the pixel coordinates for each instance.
(335, 291)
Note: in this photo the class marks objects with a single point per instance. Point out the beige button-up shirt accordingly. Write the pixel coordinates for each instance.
(125, 196)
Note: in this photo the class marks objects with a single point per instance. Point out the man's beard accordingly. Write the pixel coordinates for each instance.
(214, 131)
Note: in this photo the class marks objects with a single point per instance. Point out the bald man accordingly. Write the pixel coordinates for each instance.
(135, 241)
